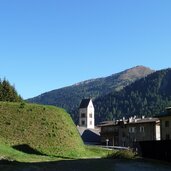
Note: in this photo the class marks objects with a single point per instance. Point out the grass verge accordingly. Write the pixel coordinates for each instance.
(10, 154)
(122, 154)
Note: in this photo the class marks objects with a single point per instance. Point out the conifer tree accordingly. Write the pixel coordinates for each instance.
(8, 92)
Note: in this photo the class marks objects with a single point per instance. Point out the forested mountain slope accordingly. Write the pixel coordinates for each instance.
(69, 97)
(147, 96)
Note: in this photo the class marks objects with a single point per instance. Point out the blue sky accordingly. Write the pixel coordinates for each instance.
(48, 44)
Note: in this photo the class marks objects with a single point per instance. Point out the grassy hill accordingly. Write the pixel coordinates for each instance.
(43, 129)
(93, 88)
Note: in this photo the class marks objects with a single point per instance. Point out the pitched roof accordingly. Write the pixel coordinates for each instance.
(166, 113)
(145, 120)
(107, 123)
(84, 103)
(127, 122)
(89, 135)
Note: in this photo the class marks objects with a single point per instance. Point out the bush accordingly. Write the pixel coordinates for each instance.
(122, 154)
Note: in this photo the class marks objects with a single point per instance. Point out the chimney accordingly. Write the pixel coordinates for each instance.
(142, 117)
(130, 119)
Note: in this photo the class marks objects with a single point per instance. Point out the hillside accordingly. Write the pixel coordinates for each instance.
(70, 97)
(40, 129)
(148, 96)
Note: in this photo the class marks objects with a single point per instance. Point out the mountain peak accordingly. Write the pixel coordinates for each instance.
(139, 67)
(71, 96)
(137, 71)
(148, 96)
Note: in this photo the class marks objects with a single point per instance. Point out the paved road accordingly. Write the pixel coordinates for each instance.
(88, 165)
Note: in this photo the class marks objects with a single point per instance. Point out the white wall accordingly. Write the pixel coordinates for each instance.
(89, 121)
(158, 132)
(90, 110)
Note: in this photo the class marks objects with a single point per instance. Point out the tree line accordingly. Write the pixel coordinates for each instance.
(148, 96)
(8, 92)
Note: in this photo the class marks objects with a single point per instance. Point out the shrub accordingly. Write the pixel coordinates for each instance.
(122, 154)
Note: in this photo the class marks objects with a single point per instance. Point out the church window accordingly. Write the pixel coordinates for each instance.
(83, 122)
(83, 115)
(166, 123)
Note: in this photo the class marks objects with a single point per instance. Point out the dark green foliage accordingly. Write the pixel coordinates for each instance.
(70, 97)
(8, 92)
(148, 96)
(122, 154)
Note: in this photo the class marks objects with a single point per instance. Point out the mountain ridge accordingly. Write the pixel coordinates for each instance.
(139, 67)
(147, 96)
(69, 97)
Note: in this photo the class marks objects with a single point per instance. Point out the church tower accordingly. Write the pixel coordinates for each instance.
(86, 114)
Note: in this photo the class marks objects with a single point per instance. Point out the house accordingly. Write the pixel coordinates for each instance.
(140, 129)
(87, 130)
(109, 133)
(165, 121)
(126, 132)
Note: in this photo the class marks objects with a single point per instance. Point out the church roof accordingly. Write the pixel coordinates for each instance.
(84, 103)
(89, 136)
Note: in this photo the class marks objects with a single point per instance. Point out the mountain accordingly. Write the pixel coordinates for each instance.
(148, 96)
(39, 129)
(70, 97)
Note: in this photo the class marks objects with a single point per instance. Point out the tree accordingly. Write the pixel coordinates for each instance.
(8, 92)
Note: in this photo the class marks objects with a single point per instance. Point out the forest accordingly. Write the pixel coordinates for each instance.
(148, 96)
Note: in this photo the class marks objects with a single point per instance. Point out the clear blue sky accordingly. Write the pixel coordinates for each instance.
(48, 44)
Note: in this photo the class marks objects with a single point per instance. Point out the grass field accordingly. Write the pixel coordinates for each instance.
(30, 132)
(10, 154)
(47, 129)
(36, 137)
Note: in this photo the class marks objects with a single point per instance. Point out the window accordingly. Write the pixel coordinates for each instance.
(167, 137)
(166, 123)
(123, 134)
(141, 128)
(82, 115)
(90, 122)
(132, 130)
(90, 115)
(82, 122)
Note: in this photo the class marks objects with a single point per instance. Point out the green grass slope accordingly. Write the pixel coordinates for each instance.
(46, 129)
(8, 153)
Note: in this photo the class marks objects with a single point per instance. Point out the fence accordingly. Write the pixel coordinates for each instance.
(160, 150)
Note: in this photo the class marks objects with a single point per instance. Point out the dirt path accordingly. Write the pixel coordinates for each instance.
(88, 165)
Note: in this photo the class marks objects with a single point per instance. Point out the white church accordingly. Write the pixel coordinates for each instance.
(86, 127)
(86, 114)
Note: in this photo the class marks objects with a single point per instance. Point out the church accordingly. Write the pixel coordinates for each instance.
(89, 133)
(86, 114)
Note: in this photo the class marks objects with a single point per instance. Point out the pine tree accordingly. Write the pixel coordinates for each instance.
(8, 92)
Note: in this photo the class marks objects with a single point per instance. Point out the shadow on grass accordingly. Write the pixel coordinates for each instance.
(85, 165)
(27, 149)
